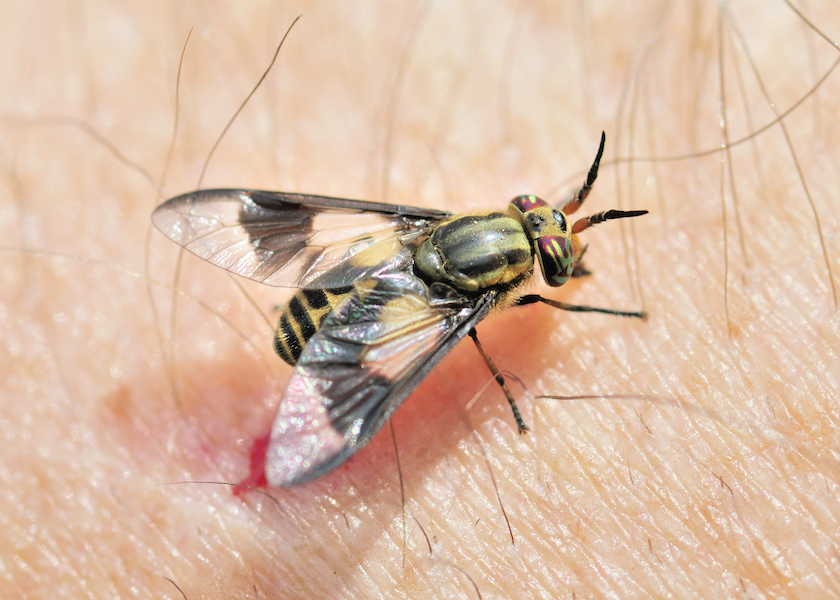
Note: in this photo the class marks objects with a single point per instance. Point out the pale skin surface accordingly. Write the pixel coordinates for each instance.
(728, 489)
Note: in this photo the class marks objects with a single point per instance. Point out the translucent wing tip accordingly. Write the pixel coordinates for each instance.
(302, 440)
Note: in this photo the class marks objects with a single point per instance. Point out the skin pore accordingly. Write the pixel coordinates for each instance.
(721, 482)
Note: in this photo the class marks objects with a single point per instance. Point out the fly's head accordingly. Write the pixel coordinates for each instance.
(554, 244)
(554, 240)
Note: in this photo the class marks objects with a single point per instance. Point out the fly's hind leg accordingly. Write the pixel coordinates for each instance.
(500, 379)
(533, 298)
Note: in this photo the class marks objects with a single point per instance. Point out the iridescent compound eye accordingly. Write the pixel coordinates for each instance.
(527, 202)
(557, 259)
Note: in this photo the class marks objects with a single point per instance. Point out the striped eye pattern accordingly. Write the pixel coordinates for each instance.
(528, 202)
(556, 258)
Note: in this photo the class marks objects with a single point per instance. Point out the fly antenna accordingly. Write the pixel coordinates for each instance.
(574, 203)
(600, 217)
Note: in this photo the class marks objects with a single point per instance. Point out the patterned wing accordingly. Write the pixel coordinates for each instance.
(292, 240)
(366, 358)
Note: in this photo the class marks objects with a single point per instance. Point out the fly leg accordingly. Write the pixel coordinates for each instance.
(533, 298)
(579, 270)
(500, 379)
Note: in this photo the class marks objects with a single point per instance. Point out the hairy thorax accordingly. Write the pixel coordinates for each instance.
(475, 252)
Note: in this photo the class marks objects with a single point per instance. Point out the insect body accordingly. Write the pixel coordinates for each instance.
(385, 292)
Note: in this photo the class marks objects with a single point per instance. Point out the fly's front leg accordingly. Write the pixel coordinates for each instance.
(500, 379)
(579, 270)
(533, 298)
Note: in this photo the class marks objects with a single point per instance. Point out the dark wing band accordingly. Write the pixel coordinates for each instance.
(279, 200)
(292, 240)
(368, 356)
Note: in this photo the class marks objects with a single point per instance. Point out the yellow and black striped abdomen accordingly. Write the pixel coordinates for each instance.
(301, 319)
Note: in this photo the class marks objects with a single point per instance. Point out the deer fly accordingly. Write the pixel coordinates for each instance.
(384, 292)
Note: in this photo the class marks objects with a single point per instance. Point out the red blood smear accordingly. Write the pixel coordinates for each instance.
(256, 468)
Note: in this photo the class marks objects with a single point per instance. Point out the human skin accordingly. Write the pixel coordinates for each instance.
(718, 479)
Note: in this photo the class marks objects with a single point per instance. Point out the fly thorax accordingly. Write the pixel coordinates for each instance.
(475, 252)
